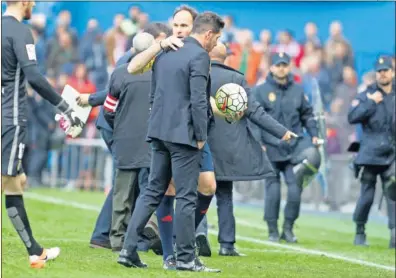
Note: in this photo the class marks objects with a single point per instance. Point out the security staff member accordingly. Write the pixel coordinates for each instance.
(374, 109)
(237, 155)
(178, 127)
(285, 101)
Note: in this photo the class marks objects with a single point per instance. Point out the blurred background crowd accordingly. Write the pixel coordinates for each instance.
(85, 60)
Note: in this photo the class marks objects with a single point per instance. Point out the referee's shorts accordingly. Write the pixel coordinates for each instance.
(13, 140)
(206, 160)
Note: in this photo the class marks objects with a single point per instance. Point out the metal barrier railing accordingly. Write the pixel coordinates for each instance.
(87, 164)
(81, 163)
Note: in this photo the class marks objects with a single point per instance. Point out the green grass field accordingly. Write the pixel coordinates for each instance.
(66, 219)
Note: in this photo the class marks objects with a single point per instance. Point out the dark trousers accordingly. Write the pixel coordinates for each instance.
(367, 192)
(37, 160)
(225, 214)
(183, 163)
(273, 194)
(103, 223)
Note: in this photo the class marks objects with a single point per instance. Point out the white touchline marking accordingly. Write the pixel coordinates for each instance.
(69, 203)
(253, 250)
(49, 239)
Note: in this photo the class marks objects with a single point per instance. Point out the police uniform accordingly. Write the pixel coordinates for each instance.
(287, 104)
(376, 153)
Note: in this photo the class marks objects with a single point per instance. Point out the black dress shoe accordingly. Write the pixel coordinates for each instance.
(274, 237)
(116, 249)
(289, 236)
(230, 252)
(360, 240)
(151, 233)
(100, 244)
(130, 259)
(203, 245)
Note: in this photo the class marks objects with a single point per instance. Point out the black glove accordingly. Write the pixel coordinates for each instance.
(75, 121)
(75, 125)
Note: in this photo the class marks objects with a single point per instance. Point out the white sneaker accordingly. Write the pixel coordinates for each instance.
(48, 254)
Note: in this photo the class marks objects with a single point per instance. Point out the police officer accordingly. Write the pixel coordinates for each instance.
(374, 109)
(284, 101)
(237, 155)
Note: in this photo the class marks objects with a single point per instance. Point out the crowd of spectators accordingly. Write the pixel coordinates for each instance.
(86, 62)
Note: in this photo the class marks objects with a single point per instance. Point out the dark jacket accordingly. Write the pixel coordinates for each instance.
(99, 97)
(377, 146)
(236, 154)
(129, 121)
(289, 106)
(180, 102)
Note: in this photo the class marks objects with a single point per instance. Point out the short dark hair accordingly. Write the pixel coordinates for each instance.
(156, 28)
(207, 21)
(186, 8)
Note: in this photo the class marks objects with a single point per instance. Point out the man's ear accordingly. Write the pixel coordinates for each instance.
(208, 34)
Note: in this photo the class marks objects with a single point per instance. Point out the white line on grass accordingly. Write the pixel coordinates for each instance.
(253, 250)
(58, 201)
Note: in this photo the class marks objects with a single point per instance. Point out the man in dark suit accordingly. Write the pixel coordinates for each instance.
(178, 126)
(237, 156)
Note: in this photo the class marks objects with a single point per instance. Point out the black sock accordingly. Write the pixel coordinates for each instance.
(17, 214)
(360, 229)
(202, 207)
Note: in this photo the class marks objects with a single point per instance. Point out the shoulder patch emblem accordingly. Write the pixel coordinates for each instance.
(272, 96)
(31, 52)
(355, 102)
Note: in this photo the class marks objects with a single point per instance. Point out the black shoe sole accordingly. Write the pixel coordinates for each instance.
(116, 249)
(156, 246)
(283, 237)
(98, 245)
(203, 246)
(128, 264)
(155, 241)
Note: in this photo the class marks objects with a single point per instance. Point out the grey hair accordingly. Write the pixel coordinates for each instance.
(142, 41)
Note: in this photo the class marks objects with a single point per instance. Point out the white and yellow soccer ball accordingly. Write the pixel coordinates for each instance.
(231, 99)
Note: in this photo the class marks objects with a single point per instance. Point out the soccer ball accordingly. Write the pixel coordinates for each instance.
(231, 99)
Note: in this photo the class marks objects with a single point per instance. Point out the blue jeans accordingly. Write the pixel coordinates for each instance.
(103, 223)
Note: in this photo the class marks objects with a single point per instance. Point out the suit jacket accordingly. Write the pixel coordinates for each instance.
(180, 105)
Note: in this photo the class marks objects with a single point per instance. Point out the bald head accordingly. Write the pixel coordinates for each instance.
(219, 52)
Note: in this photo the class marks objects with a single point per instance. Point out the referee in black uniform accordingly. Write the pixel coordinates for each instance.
(18, 65)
